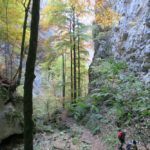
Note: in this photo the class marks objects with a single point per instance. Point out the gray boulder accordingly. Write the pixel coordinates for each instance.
(10, 119)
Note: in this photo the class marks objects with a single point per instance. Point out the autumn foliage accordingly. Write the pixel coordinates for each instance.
(105, 15)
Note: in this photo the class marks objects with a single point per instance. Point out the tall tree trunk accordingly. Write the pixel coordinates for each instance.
(79, 75)
(71, 61)
(74, 51)
(7, 42)
(29, 77)
(23, 42)
(63, 79)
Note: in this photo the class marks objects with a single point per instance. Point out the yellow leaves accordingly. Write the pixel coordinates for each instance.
(79, 5)
(50, 8)
(64, 33)
(53, 14)
(45, 23)
(54, 6)
(105, 16)
(11, 20)
(13, 34)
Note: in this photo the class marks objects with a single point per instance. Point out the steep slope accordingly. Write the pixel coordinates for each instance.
(120, 74)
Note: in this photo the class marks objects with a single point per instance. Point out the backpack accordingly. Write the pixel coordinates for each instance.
(121, 135)
(128, 147)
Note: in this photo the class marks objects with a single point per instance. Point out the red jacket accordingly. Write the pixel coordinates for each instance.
(121, 135)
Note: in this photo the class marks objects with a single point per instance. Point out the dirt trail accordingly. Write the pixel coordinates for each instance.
(74, 137)
(86, 137)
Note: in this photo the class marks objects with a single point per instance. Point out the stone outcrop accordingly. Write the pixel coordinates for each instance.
(10, 118)
(102, 48)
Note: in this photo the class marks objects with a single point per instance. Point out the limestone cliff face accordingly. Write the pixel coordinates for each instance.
(129, 40)
(131, 37)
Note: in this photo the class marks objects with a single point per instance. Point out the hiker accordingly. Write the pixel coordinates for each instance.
(121, 137)
(132, 146)
(129, 145)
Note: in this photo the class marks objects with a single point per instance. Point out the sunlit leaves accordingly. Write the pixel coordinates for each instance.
(79, 5)
(105, 16)
(53, 14)
(11, 20)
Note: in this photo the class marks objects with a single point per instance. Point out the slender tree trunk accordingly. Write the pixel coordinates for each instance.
(64, 79)
(6, 72)
(79, 75)
(6, 43)
(29, 77)
(8, 61)
(23, 42)
(74, 51)
(71, 57)
(11, 64)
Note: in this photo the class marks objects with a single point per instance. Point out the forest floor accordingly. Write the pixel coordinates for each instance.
(74, 137)
(71, 136)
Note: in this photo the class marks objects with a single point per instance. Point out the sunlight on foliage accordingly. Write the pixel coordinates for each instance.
(11, 20)
(105, 15)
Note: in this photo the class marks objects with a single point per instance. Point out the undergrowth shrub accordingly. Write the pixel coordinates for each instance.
(78, 109)
(3, 93)
(121, 90)
(122, 94)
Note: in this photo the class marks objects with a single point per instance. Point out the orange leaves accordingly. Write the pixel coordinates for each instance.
(99, 3)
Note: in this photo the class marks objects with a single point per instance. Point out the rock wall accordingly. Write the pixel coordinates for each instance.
(102, 48)
(131, 37)
(129, 40)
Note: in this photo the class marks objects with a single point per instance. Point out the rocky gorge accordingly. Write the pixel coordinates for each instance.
(119, 79)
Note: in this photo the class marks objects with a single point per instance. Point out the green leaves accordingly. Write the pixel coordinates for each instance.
(120, 90)
(96, 130)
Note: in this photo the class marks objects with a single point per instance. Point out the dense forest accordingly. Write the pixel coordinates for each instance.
(74, 75)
